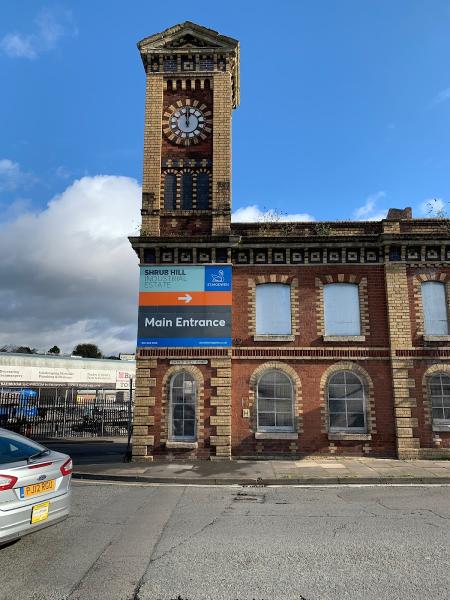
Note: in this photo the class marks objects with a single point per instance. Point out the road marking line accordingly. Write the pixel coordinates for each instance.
(256, 485)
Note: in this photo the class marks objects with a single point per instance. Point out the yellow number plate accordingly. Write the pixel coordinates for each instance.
(39, 512)
(37, 488)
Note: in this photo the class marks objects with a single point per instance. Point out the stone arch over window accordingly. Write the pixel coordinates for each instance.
(272, 278)
(367, 384)
(418, 280)
(186, 190)
(170, 191)
(197, 376)
(296, 392)
(363, 300)
(434, 370)
(203, 193)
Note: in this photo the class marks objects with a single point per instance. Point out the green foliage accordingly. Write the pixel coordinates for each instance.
(435, 210)
(25, 350)
(87, 351)
(54, 350)
(322, 229)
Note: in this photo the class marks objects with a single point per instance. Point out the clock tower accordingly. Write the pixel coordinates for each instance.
(184, 245)
(192, 85)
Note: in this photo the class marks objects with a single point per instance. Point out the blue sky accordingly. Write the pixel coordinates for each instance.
(341, 100)
(345, 111)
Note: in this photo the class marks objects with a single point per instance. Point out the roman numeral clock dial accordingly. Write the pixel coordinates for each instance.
(188, 123)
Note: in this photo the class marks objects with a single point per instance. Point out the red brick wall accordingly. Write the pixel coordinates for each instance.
(379, 335)
(312, 439)
(422, 412)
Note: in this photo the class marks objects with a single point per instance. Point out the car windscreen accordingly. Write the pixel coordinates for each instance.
(14, 448)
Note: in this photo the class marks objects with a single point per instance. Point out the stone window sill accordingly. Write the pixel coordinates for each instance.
(172, 445)
(274, 338)
(344, 338)
(442, 427)
(350, 436)
(436, 338)
(281, 435)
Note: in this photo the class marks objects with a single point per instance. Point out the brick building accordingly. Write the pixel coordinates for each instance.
(338, 338)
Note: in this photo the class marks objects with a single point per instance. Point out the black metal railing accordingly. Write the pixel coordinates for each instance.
(64, 412)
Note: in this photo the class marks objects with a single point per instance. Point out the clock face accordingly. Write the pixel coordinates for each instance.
(188, 123)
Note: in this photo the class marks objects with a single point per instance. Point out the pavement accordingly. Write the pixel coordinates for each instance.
(137, 541)
(104, 462)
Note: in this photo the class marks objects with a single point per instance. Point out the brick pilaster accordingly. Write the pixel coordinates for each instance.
(221, 400)
(144, 405)
(400, 334)
(221, 191)
(152, 153)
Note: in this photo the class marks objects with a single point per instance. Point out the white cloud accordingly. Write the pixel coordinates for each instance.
(12, 176)
(68, 273)
(443, 96)
(63, 172)
(253, 214)
(434, 207)
(15, 45)
(369, 210)
(50, 27)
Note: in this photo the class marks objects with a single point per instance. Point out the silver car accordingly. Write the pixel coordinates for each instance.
(34, 486)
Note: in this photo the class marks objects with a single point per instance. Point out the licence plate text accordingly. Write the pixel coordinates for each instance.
(37, 488)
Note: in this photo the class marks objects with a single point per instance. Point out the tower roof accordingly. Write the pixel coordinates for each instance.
(187, 37)
(190, 38)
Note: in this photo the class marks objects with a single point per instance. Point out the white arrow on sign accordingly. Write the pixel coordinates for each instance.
(187, 298)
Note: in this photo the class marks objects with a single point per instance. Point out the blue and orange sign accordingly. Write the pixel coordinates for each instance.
(185, 306)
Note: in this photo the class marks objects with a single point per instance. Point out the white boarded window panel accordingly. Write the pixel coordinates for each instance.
(273, 309)
(434, 304)
(341, 309)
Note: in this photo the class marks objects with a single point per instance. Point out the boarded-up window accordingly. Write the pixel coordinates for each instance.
(203, 191)
(273, 309)
(170, 191)
(341, 310)
(434, 302)
(186, 191)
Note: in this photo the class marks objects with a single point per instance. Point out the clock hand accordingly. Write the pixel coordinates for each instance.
(187, 116)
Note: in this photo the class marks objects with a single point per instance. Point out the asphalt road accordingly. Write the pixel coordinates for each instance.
(133, 542)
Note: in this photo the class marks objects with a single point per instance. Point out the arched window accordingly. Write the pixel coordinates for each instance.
(183, 396)
(275, 406)
(346, 402)
(170, 191)
(203, 191)
(273, 309)
(186, 191)
(341, 309)
(435, 311)
(439, 394)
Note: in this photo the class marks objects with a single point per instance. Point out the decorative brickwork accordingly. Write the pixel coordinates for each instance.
(192, 66)
(144, 403)
(221, 185)
(221, 400)
(152, 152)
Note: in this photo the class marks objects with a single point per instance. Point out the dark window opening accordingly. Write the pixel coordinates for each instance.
(203, 191)
(186, 191)
(170, 192)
